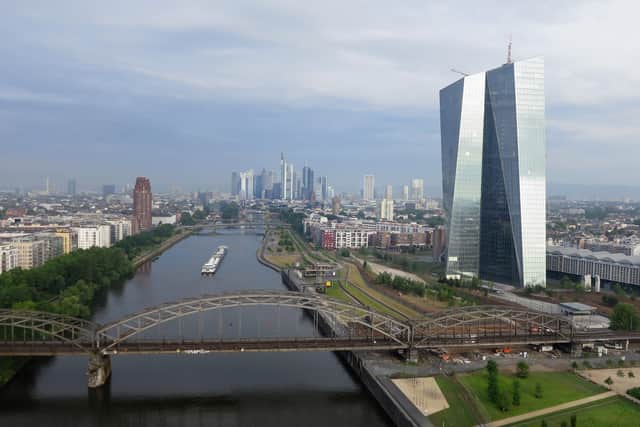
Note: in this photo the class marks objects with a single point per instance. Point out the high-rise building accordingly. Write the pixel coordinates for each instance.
(308, 183)
(324, 189)
(388, 192)
(336, 205)
(71, 187)
(417, 189)
(405, 192)
(108, 189)
(493, 166)
(368, 188)
(246, 185)
(8, 257)
(90, 236)
(47, 186)
(142, 203)
(235, 183)
(386, 209)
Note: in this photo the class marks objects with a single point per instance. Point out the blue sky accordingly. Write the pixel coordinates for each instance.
(185, 92)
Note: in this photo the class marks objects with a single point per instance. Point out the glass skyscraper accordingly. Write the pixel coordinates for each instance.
(493, 167)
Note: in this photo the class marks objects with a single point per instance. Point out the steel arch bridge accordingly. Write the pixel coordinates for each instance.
(337, 312)
(474, 324)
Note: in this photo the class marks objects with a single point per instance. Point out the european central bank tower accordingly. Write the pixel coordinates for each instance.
(493, 174)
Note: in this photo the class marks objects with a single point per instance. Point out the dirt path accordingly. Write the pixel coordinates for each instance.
(377, 269)
(545, 411)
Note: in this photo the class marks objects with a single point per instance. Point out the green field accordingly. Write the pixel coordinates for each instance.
(614, 411)
(336, 292)
(461, 412)
(557, 388)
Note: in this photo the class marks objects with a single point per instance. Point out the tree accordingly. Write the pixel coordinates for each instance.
(522, 369)
(574, 365)
(543, 423)
(538, 392)
(574, 420)
(563, 424)
(493, 387)
(516, 393)
(625, 317)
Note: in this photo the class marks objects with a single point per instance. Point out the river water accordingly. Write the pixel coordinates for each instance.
(238, 389)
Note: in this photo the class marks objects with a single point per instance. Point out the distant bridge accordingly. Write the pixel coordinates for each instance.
(347, 327)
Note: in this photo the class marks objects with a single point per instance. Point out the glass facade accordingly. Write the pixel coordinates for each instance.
(493, 163)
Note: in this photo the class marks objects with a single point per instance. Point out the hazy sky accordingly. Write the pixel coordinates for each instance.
(104, 91)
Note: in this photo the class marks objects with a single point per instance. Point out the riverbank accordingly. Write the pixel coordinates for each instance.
(10, 366)
(181, 233)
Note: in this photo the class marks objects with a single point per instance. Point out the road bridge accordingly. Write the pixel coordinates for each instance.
(347, 326)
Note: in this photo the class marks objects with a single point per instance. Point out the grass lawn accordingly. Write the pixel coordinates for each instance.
(282, 261)
(614, 411)
(557, 388)
(357, 279)
(336, 292)
(460, 412)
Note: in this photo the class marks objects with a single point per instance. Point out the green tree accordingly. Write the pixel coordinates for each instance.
(625, 317)
(522, 370)
(516, 393)
(538, 392)
(574, 365)
(493, 387)
(574, 420)
(563, 424)
(543, 423)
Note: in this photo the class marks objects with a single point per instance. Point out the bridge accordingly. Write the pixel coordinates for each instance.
(345, 326)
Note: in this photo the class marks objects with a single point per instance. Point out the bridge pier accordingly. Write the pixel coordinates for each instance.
(99, 369)
(411, 355)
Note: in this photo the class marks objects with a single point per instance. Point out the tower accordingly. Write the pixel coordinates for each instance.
(142, 203)
(493, 166)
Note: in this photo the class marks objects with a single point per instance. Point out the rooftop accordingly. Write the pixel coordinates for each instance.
(597, 256)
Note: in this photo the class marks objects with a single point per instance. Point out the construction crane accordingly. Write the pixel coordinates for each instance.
(459, 72)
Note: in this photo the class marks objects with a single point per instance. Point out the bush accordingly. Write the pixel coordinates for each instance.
(608, 381)
(538, 392)
(634, 392)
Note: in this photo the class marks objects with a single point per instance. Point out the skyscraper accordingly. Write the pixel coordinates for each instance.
(388, 192)
(386, 209)
(108, 189)
(235, 183)
(142, 202)
(368, 186)
(493, 166)
(71, 187)
(405, 192)
(307, 183)
(417, 189)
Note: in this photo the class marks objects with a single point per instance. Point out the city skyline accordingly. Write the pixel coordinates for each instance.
(378, 99)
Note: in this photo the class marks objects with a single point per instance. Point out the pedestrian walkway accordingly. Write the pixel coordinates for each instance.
(551, 409)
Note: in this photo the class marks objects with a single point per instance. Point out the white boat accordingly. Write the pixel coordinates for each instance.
(210, 267)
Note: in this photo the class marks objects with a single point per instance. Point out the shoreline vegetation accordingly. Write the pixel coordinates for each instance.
(73, 283)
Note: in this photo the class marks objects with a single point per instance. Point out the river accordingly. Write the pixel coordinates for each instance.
(239, 389)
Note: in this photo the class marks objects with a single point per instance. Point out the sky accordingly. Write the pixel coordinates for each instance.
(186, 92)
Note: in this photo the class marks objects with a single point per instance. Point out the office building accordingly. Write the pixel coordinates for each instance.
(368, 187)
(606, 266)
(308, 183)
(246, 185)
(493, 166)
(235, 183)
(405, 193)
(142, 203)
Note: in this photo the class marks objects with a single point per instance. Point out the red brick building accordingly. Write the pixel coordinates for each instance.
(142, 203)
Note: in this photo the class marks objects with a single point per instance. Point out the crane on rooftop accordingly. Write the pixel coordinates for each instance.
(459, 72)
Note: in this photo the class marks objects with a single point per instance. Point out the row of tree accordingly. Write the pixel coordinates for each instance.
(401, 284)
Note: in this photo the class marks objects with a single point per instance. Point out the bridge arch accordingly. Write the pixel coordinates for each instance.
(109, 336)
(473, 321)
(58, 327)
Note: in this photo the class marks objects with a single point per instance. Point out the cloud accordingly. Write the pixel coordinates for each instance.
(336, 69)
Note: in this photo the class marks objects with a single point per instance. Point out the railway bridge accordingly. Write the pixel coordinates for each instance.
(344, 326)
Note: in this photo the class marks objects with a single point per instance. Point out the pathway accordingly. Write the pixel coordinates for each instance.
(551, 409)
